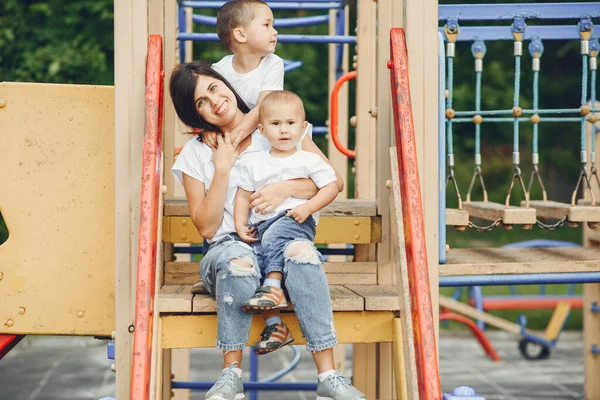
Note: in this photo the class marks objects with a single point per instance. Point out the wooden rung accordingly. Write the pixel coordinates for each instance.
(356, 230)
(510, 215)
(177, 206)
(455, 217)
(559, 316)
(488, 261)
(553, 209)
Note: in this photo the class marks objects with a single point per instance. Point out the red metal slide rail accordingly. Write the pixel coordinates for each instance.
(414, 229)
(148, 229)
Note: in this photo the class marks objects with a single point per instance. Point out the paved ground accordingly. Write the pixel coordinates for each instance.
(53, 368)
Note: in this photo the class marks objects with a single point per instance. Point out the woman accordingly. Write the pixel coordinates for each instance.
(229, 269)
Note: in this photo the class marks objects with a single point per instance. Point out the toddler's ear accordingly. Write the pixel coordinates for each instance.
(239, 35)
(304, 125)
(261, 128)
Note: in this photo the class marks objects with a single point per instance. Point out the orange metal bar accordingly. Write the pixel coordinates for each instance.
(479, 334)
(333, 123)
(414, 230)
(148, 229)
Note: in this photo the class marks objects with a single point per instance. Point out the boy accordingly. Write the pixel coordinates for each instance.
(282, 122)
(246, 28)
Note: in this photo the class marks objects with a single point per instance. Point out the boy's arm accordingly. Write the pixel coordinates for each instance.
(240, 215)
(250, 121)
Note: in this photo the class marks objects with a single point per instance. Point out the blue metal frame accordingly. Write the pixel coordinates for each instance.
(279, 22)
(266, 386)
(441, 150)
(516, 279)
(326, 39)
(495, 12)
(324, 250)
(545, 32)
(275, 5)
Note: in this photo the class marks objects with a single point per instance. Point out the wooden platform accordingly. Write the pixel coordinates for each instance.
(556, 210)
(512, 261)
(490, 211)
(343, 221)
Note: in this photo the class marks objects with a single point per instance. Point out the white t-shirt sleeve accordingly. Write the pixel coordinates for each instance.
(246, 180)
(273, 74)
(320, 172)
(191, 161)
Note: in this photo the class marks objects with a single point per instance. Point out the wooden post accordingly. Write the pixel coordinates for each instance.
(131, 37)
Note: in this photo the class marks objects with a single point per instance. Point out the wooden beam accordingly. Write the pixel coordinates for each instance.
(378, 297)
(556, 210)
(455, 217)
(200, 331)
(360, 230)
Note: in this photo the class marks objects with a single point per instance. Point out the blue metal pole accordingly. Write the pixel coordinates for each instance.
(339, 49)
(253, 374)
(497, 12)
(279, 22)
(275, 5)
(441, 150)
(266, 386)
(326, 39)
(545, 32)
(530, 279)
(182, 29)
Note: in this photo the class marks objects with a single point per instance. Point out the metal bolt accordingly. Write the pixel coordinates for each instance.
(79, 314)
(353, 121)
(164, 189)
(22, 310)
(373, 112)
(357, 327)
(113, 367)
(354, 170)
(183, 222)
(357, 222)
(2, 103)
(183, 236)
(388, 184)
(9, 323)
(357, 236)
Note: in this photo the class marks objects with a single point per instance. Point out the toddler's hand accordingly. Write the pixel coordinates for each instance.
(299, 213)
(210, 138)
(246, 234)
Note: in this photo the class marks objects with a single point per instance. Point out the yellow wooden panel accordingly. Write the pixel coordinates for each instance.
(559, 316)
(191, 331)
(330, 230)
(57, 198)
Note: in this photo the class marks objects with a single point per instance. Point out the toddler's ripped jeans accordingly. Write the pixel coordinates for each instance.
(287, 247)
(226, 275)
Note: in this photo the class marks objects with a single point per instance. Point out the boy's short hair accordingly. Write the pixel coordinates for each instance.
(277, 97)
(233, 14)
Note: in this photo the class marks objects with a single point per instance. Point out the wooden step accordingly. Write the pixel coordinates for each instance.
(557, 210)
(179, 299)
(338, 273)
(488, 261)
(490, 211)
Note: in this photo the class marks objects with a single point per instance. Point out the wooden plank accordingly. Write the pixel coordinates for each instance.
(179, 299)
(549, 209)
(399, 361)
(557, 321)
(455, 217)
(490, 211)
(364, 369)
(200, 331)
(358, 230)
(178, 207)
(472, 312)
(582, 212)
(516, 261)
(404, 293)
(378, 297)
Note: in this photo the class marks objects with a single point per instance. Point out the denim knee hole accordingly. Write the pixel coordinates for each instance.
(243, 266)
(301, 252)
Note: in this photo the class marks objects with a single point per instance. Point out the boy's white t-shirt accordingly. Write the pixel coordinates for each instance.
(261, 168)
(267, 76)
(195, 160)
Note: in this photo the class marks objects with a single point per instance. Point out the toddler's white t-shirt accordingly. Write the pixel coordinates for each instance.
(195, 160)
(267, 76)
(261, 168)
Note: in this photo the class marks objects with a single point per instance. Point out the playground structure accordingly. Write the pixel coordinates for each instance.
(81, 207)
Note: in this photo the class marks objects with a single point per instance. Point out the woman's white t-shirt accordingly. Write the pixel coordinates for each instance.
(195, 160)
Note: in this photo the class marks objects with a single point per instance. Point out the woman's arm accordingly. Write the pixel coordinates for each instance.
(206, 210)
(309, 145)
(273, 195)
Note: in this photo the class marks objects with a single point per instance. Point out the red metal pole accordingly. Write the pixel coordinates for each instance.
(414, 230)
(148, 229)
(479, 334)
(333, 123)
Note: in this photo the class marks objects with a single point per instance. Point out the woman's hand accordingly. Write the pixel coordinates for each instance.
(269, 197)
(225, 155)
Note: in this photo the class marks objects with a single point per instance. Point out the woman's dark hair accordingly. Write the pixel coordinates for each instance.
(182, 87)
